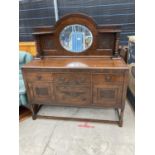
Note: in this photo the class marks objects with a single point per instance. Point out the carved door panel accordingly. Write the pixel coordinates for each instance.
(41, 92)
(72, 95)
(107, 95)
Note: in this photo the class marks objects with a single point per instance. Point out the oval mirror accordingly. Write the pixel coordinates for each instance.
(76, 38)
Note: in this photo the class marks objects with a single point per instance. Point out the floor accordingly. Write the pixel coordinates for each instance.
(24, 113)
(51, 137)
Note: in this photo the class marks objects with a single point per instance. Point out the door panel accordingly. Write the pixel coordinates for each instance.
(107, 95)
(41, 92)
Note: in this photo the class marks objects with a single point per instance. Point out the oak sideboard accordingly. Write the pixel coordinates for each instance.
(78, 65)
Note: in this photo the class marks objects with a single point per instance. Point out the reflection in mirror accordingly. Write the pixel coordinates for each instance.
(76, 64)
(76, 38)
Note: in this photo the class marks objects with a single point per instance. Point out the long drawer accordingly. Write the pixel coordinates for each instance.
(72, 78)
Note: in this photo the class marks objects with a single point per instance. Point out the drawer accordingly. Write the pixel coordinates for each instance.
(107, 78)
(39, 76)
(72, 78)
(73, 95)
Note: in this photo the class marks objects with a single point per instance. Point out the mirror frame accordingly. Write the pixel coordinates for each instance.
(80, 19)
(91, 35)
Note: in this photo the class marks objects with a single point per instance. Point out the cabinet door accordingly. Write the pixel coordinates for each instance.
(41, 92)
(107, 95)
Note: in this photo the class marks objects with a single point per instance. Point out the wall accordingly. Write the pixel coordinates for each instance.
(34, 13)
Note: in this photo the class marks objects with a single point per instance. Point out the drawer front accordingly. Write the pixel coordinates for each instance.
(72, 78)
(41, 92)
(107, 78)
(72, 95)
(39, 76)
(107, 95)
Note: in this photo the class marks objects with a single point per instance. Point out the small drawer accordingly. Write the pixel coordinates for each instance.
(39, 76)
(72, 78)
(107, 78)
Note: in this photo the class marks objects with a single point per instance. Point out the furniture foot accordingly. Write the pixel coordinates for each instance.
(34, 109)
(120, 124)
(121, 118)
(34, 117)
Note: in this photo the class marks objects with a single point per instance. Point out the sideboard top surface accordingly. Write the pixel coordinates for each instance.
(84, 63)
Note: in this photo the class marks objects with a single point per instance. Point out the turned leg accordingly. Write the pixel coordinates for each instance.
(121, 117)
(34, 111)
(34, 116)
